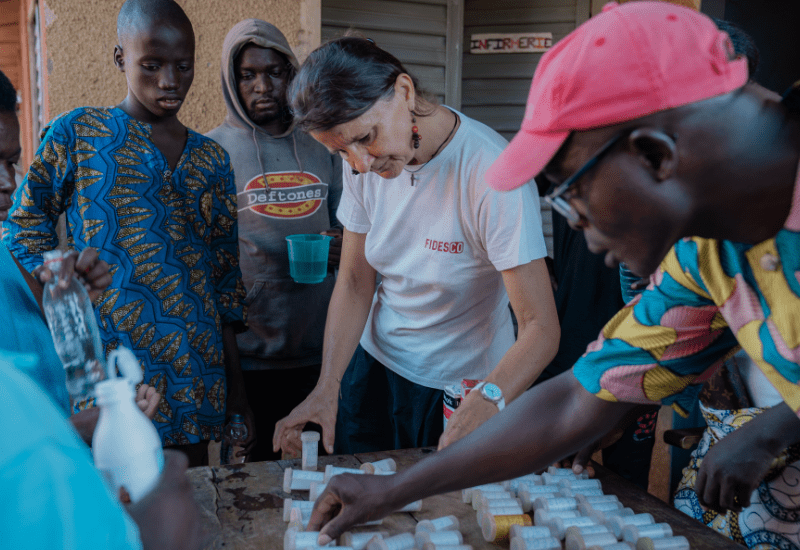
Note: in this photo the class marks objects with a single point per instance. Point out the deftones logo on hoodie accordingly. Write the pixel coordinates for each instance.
(290, 195)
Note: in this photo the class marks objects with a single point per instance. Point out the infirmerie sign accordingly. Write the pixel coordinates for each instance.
(530, 42)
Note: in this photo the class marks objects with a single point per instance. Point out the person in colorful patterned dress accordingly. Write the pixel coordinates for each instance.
(666, 157)
(158, 201)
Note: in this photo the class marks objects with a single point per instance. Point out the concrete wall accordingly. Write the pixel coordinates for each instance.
(81, 35)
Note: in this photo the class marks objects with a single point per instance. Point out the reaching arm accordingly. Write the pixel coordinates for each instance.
(549, 422)
(529, 290)
(347, 315)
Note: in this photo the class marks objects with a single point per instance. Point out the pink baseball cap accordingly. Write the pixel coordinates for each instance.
(627, 62)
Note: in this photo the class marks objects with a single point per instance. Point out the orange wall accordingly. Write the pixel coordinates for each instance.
(81, 35)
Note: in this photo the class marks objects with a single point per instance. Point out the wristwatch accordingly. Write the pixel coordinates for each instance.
(491, 393)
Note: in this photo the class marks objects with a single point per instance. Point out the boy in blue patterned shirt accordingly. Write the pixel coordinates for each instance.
(158, 201)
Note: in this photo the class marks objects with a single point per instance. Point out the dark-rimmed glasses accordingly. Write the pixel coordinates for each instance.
(558, 198)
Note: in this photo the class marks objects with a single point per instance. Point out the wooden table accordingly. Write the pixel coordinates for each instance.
(242, 506)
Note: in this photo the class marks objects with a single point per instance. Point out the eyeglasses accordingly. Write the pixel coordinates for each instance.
(558, 198)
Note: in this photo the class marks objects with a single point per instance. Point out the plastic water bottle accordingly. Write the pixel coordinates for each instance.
(233, 439)
(73, 324)
(126, 446)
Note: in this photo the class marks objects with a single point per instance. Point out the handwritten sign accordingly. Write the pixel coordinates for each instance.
(530, 42)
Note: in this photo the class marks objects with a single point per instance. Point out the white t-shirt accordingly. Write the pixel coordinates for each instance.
(441, 311)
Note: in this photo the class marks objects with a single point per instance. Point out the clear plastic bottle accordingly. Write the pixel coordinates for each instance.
(233, 436)
(73, 324)
(126, 446)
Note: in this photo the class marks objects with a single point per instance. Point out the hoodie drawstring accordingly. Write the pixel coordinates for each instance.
(261, 162)
(296, 156)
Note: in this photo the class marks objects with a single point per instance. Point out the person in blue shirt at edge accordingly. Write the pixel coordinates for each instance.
(158, 202)
(53, 497)
(674, 163)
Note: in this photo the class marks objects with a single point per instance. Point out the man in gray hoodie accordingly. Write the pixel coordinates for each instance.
(287, 183)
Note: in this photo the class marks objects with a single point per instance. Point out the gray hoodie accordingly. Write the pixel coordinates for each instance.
(286, 319)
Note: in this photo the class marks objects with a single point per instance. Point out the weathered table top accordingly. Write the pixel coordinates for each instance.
(242, 506)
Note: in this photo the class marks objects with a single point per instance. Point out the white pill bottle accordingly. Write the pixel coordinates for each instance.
(126, 446)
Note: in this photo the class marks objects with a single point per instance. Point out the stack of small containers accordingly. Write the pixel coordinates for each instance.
(560, 509)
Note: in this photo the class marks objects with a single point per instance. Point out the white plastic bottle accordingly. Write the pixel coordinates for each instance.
(126, 446)
(73, 324)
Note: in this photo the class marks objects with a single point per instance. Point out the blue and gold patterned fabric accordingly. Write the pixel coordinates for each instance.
(707, 298)
(171, 241)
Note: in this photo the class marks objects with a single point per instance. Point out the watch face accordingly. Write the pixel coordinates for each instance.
(492, 392)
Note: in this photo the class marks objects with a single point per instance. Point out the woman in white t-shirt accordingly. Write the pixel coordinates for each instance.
(450, 252)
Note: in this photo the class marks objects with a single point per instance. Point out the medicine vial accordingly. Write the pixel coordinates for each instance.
(526, 532)
(310, 450)
(546, 543)
(579, 542)
(559, 526)
(385, 465)
(541, 517)
(445, 523)
(295, 539)
(289, 503)
(404, 541)
(359, 541)
(439, 538)
(633, 533)
(555, 503)
(300, 480)
(331, 471)
(617, 523)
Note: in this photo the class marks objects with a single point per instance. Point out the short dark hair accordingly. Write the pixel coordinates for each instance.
(341, 80)
(8, 95)
(743, 43)
(134, 14)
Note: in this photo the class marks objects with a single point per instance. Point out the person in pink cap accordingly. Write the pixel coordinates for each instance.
(663, 153)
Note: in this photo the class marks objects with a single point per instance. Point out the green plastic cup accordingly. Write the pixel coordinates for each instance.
(308, 257)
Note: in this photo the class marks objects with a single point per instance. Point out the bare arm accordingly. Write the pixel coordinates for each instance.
(531, 296)
(549, 422)
(347, 315)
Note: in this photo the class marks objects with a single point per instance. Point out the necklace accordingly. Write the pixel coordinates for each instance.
(441, 146)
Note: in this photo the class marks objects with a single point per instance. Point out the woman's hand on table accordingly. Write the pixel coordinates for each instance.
(350, 500)
(473, 411)
(86, 266)
(319, 407)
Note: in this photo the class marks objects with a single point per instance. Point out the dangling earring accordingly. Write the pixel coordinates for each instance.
(415, 137)
(355, 172)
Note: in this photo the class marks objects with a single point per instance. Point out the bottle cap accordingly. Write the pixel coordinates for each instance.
(309, 436)
(237, 419)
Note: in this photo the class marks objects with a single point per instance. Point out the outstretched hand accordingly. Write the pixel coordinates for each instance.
(350, 500)
(86, 265)
(319, 407)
